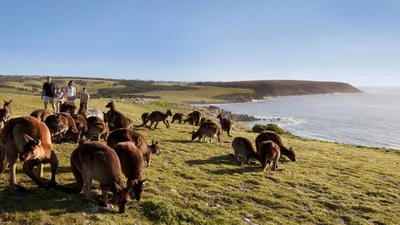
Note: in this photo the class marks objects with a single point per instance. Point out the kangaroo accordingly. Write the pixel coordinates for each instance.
(207, 129)
(196, 116)
(5, 113)
(226, 124)
(189, 120)
(269, 151)
(30, 140)
(157, 117)
(121, 135)
(81, 124)
(132, 166)
(98, 129)
(72, 132)
(272, 136)
(178, 117)
(82, 109)
(243, 146)
(41, 114)
(96, 161)
(116, 119)
(57, 124)
(68, 107)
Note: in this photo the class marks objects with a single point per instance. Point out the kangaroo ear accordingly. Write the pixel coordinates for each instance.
(156, 143)
(27, 138)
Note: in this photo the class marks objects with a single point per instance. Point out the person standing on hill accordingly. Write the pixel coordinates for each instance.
(71, 91)
(48, 93)
(84, 98)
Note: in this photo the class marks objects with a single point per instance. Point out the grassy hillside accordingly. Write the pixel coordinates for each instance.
(199, 183)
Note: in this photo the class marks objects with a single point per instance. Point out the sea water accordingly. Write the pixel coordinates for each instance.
(371, 118)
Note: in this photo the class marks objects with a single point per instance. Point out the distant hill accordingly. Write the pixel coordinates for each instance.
(198, 92)
(264, 88)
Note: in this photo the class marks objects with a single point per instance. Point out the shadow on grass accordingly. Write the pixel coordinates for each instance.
(57, 201)
(179, 141)
(216, 160)
(243, 169)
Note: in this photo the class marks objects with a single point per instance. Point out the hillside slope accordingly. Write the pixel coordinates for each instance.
(199, 183)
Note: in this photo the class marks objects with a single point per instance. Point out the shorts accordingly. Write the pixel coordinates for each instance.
(48, 99)
(71, 98)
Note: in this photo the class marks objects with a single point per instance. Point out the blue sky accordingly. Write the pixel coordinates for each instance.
(339, 40)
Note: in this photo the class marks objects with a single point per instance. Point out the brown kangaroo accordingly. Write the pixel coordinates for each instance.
(81, 123)
(243, 146)
(131, 159)
(41, 114)
(272, 136)
(196, 117)
(122, 135)
(157, 117)
(30, 140)
(5, 113)
(73, 132)
(68, 107)
(269, 151)
(83, 109)
(178, 117)
(207, 129)
(98, 129)
(57, 124)
(96, 161)
(116, 119)
(226, 124)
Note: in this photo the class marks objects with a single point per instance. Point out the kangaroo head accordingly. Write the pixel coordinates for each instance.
(219, 116)
(31, 148)
(120, 197)
(136, 188)
(292, 154)
(110, 104)
(169, 112)
(155, 148)
(7, 104)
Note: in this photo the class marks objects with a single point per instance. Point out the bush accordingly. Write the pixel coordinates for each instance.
(258, 128)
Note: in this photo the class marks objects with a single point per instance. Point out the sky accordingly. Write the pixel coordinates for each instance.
(355, 41)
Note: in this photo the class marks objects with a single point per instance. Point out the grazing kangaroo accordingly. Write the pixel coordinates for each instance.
(226, 124)
(178, 117)
(189, 120)
(83, 109)
(243, 146)
(196, 117)
(272, 136)
(157, 117)
(207, 129)
(68, 107)
(96, 161)
(73, 132)
(122, 135)
(41, 114)
(116, 119)
(81, 124)
(30, 140)
(98, 129)
(57, 124)
(131, 159)
(269, 151)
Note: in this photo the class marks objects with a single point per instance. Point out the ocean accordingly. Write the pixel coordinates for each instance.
(371, 118)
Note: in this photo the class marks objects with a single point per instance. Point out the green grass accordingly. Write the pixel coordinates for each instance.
(202, 94)
(199, 183)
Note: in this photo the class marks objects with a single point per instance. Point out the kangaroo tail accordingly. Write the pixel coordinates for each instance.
(144, 122)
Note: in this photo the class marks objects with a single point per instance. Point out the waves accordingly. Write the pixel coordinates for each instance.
(281, 120)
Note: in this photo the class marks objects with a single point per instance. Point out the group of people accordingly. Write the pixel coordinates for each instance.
(51, 93)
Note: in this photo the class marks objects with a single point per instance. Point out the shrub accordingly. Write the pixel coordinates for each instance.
(258, 128)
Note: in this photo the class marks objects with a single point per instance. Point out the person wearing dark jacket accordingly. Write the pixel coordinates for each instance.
(48, 93)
